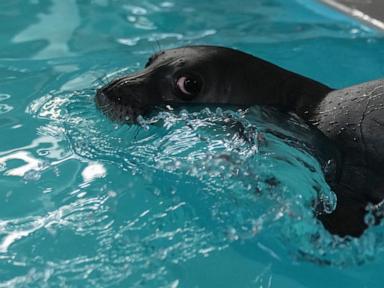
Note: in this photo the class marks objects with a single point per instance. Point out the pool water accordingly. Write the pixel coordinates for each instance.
(202, 197)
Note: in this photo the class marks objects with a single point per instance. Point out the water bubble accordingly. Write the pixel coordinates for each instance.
(42, 152)
(142, 122)
(32, 175)
(232, 234)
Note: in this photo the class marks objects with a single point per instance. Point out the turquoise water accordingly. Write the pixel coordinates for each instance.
(187, 201)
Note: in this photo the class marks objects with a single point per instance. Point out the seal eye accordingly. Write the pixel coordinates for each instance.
(188, 86)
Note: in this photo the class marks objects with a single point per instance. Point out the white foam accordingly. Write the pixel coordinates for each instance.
(31, 163)
(93, 171)
(11, 238)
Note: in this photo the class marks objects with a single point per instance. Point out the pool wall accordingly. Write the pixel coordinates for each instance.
(370, 12)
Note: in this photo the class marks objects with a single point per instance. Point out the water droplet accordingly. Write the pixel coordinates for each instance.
(369, 219)
(112, 194)
(232, 234)
(32, 175)
(92, 171)
(156, 192)
(219, 112)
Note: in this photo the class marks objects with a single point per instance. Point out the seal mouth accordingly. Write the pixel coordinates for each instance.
(120, 113)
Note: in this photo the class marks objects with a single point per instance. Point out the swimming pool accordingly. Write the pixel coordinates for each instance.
(88, 203)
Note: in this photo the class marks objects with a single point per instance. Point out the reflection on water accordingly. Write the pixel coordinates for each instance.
(191, 197)
(50, 29)
(31, 164)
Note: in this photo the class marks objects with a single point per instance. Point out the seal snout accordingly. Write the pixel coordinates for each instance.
(116, 92)
(122, 100)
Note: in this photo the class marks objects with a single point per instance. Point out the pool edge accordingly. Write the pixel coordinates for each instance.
(356, 13)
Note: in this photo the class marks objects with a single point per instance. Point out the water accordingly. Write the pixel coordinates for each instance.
(188, 201)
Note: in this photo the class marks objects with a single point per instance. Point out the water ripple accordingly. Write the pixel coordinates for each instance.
(90, 203)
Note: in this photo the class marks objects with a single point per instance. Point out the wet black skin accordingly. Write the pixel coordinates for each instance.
(352, 118)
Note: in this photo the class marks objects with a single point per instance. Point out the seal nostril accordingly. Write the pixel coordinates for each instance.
(113, 94)
(100, 97)
(115, 97)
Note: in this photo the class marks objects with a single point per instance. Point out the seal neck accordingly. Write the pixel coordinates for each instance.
(302, 95)
(285, 89)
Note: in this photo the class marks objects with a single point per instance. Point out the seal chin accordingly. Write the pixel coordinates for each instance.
(120, 113)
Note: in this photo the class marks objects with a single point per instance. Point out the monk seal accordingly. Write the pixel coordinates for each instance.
(352, 118)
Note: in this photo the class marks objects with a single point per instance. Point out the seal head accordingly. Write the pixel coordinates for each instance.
(208, 75)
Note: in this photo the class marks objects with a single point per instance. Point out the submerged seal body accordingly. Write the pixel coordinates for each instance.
(352, 118)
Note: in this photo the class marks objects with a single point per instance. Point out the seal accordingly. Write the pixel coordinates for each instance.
(351, 118)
